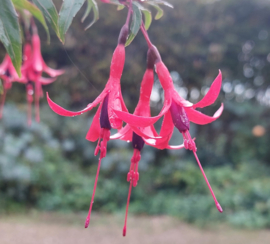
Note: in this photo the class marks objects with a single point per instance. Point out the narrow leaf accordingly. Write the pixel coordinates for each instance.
(135, 23)
(88, 10)
(24, 4)
(10, 33)
(96, 13)
(68, 11)
(147, 15)
(159, 11)
(49, 11)
(165, 3)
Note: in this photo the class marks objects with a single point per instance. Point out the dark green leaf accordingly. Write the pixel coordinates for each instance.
(147, 15)
(24, 4)
(68, 11)
(49, 11)
(10, 33)
(135, 23)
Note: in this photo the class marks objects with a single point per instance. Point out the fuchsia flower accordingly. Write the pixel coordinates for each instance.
(109, 99)
(140, 136)
(177, 112)
(27, 73)
(8, 74)
(35, 69)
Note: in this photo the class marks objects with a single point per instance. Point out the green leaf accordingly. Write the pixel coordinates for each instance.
(120, 7)
(10, 34)
(88, 10)
(24, 4)
(49, 11)
(159, 11)
(147, 15)
(165, 3)
(94, 6)
(68, 11)
(135, 23)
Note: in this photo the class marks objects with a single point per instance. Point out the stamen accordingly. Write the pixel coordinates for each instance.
(29, 97)
(3, 102)
(37, 96)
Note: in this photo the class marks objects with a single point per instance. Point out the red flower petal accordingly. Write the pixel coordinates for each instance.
(200, 118)
(124, 134)
(94, 130)
(46, 81)
(52, 72)
(212, 94)
(181, 101)
(140, 121)
(4, 65)
(61, 111)
(176, 147)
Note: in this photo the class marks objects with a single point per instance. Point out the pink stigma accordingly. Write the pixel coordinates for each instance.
(124, 231)
(219, 207)
(87, 221)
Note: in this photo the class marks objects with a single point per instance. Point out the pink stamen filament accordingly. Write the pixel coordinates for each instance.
(37, 97)
(193, 148)
(3, 102)
(29, 90)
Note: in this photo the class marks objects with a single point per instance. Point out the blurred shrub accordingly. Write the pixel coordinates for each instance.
(39, 170)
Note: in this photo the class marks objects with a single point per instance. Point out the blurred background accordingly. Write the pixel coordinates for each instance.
(49, 168)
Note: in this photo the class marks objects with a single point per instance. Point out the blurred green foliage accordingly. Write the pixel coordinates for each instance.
(50, 166)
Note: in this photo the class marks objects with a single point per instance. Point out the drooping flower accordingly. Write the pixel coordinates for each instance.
(141, 135)
(8, 74)
(177, 112)
(36, 67)
(27, 72)
(109, 99)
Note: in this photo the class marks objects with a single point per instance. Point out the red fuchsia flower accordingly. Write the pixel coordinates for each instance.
(177, 111)
(109, 99)
(140, 136)
(8, 74)
(27, 73)
(36, 67)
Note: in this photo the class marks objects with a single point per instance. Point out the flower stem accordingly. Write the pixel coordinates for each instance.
(146, 36)
(129, 12)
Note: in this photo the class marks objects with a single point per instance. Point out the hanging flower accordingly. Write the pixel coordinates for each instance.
(177, 112)
(109, 99)
(36, 66)
(8, 74)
